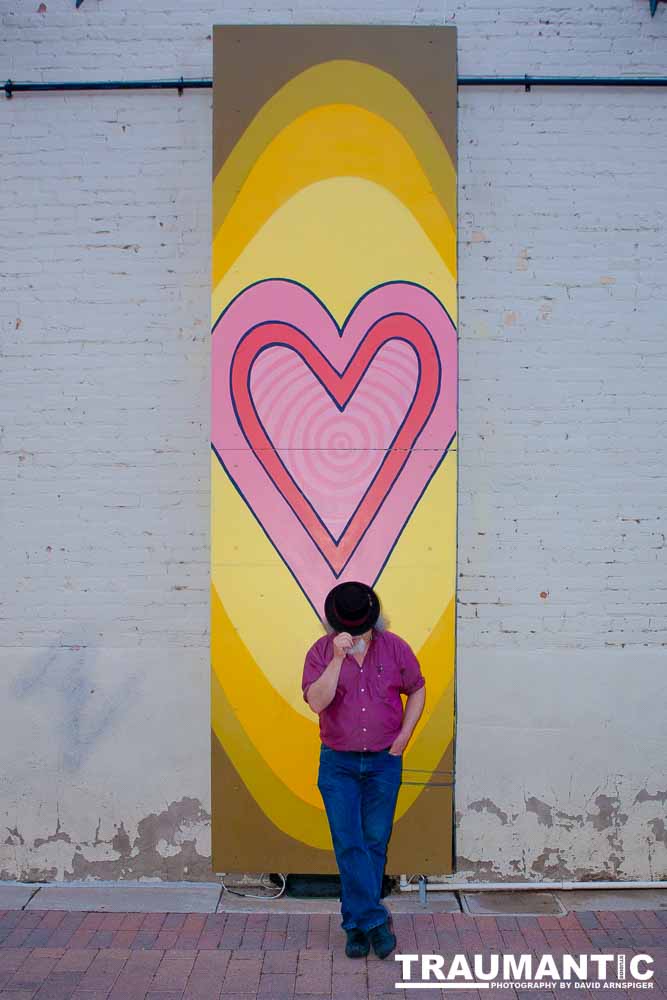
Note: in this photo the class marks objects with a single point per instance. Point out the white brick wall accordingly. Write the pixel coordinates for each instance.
(104, 257)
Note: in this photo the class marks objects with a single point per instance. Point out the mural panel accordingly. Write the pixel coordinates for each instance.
(334, 411)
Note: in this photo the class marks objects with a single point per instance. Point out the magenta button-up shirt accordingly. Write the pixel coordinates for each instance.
(366, 713)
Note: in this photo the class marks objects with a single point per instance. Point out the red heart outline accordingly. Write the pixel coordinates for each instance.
(341, 387)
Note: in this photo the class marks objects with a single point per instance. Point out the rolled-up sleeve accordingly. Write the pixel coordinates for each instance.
(314, 666)
(412, 678)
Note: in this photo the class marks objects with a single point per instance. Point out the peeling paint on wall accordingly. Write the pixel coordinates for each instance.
(543, 811)
(165, 845)
(486, 805)
(554, 841)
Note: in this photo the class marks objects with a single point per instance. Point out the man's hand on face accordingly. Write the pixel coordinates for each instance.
(343, 643)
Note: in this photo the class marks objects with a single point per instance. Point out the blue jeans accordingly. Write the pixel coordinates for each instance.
(359, 789)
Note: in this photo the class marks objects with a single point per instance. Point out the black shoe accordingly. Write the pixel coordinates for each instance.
(358, 944)
(383, 940)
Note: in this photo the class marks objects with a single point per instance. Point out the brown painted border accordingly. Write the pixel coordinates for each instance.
(251, 62)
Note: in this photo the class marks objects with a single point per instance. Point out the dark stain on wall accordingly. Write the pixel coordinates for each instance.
(141, 857)
(486, 805)
(542, 810)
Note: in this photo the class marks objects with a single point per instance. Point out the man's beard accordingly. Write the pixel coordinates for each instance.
(359, 646)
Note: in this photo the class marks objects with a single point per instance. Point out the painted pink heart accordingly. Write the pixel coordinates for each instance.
(331, 435)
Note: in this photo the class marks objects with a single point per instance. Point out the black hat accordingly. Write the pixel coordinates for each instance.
(352, 607)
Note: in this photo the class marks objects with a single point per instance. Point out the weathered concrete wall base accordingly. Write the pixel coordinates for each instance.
(550, 724)
(101, 755)
(162, 845)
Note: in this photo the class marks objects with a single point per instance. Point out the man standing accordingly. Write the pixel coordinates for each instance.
(353, 678)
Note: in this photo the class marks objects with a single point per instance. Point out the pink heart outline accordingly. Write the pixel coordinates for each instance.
(292, 305)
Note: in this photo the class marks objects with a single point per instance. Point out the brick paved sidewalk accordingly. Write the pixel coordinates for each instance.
(57, 955)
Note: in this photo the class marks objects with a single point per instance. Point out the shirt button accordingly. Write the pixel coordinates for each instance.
(363, 710)
(362, 690)
(363, 730)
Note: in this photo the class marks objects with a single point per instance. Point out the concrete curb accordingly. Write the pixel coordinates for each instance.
(209, 897)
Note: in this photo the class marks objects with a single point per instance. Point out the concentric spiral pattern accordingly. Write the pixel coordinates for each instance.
(332, 454)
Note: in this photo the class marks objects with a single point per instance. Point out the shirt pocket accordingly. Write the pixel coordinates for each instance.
(384, 684)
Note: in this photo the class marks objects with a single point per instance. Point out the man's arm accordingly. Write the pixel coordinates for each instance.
(414, 706)
(321, 692)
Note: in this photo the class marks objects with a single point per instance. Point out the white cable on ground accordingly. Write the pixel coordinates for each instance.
(255, 895)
